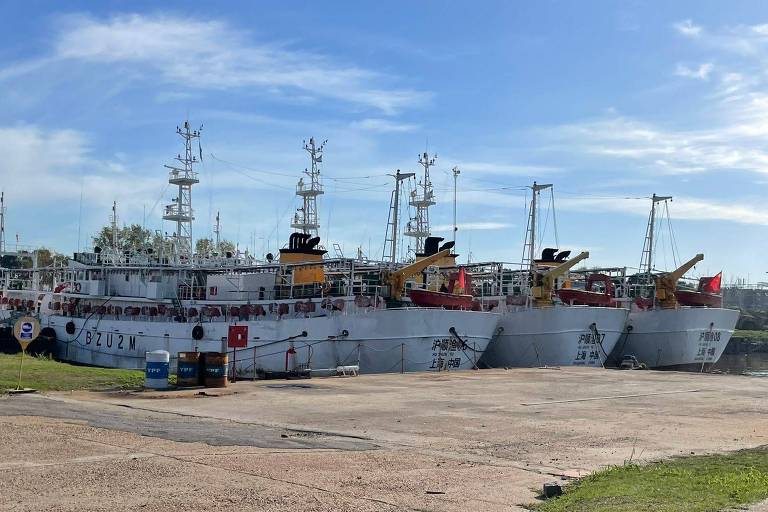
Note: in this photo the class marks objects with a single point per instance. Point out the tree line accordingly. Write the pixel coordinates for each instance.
(135, 238)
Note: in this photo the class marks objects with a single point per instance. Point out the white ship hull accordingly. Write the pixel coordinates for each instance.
(556, 336)
(675, 337)
(379, 341)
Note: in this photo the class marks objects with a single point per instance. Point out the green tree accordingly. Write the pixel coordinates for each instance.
(49, 258)
(226, 246)
(131, 237)
(205, 247)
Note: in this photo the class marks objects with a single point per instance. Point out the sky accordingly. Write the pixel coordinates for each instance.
(609, 101)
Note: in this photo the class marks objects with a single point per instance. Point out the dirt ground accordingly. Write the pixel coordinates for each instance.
(450, 441)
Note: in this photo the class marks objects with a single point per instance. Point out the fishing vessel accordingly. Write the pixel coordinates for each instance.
(300, 312)
(537, 328)
(670, 327)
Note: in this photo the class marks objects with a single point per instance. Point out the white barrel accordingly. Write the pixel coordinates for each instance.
(156, 372)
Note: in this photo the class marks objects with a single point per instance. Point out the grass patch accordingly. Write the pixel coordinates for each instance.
(694, 484)
(761, 336)
(46, 374)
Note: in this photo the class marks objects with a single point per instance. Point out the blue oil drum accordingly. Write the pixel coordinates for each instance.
(188, 370)
(156, 372)
(215, 373)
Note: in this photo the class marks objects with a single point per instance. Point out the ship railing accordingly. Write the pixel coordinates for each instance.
(743, 286)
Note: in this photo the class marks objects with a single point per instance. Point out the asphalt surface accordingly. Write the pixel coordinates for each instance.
(452, 441)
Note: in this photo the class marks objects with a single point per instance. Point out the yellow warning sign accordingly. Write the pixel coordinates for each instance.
(26, 330)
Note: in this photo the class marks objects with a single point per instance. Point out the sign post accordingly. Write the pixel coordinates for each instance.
(25, 330)
(237, 337)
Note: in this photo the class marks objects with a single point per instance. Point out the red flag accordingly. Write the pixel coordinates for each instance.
(462, 279)
(713, 284)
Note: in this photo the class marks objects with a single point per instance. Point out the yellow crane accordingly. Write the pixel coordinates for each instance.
(666, 283)
(544, 283)
(396, 278)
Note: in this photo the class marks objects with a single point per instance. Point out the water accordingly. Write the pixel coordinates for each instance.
(754, 364)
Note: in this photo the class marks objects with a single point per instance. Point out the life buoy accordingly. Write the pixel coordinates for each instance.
(198, 332)
(70, 327)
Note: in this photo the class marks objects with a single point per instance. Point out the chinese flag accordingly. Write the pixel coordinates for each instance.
(462, 280)
(713, 286)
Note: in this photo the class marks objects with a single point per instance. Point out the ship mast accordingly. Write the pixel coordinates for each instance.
(183, 176)
(529, 255)
(308, 221)
(418, 227)
(646, 259)
(113, 223)
(217, 230)
(2, 222)
(393, 221)
(456, 173)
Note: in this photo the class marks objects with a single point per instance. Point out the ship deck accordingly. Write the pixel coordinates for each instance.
(448, 441)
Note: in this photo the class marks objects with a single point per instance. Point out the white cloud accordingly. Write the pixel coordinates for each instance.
(519, 169)
(687, 208)
(687, 28)
(731, 145)
(46, 167)
(700, 73)
(474, 226)
(215, 55)
(383, 126)
(745, 40)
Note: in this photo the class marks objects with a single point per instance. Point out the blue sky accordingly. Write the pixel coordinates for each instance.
(609, 101)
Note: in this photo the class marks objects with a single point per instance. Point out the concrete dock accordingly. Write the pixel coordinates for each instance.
(449, 441)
